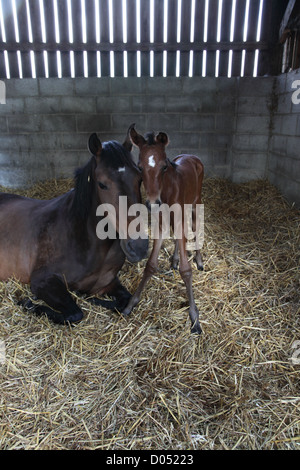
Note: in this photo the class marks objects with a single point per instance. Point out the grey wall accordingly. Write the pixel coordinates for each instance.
(237, 126)
(45, 123)
(284, 157)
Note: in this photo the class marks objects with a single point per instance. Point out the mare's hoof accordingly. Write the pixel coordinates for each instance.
(122, 304)
(74, 318)
(126, 311)
(196, 329)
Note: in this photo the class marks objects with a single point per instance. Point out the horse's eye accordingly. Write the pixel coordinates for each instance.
(165, 167)
(102, 186)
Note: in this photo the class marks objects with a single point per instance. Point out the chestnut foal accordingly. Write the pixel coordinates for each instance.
(177, 182)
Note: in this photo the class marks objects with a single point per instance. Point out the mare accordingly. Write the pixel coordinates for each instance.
(176, 182)
(53, 245)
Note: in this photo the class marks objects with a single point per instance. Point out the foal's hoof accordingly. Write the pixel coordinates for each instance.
(174, 263)
(196, 329)
(199, 265)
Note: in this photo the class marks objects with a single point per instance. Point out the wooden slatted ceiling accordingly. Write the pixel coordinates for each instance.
(77, 38)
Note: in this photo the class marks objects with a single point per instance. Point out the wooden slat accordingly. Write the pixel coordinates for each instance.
(286, 17)
(145, 46)
(199, 20)
(212, 21)
(9, 22)
(239, 20)
(253, 20)
(2, 66)
(132, 46)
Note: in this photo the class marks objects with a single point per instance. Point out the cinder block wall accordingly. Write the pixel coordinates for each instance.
(45, 123)
(284, 155)
(251, 136)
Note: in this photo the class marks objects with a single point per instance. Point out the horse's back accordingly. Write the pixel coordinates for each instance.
(190, 163)
(190, 172)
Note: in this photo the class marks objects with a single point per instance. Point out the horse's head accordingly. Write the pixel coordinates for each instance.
(153, 163)
(116, 175)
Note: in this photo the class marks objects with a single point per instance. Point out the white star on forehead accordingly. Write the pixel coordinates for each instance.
(121, 169)
(151, 161)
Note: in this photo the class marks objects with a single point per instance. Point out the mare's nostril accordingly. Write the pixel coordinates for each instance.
(137, 249)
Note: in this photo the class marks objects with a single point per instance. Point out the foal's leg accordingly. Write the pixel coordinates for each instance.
(186, 274)
(198, 257)
(150, 269)
(54, 292)
(175, 257)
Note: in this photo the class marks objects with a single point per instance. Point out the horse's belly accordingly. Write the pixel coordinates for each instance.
(14, 266)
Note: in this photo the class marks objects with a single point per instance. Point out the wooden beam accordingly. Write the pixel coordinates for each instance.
(92, 46)
(286, 18)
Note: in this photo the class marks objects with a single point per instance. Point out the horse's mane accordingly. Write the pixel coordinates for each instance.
(83, 191)
(150, 138)
(114, 156)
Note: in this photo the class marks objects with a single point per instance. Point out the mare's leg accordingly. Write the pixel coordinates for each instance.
(175, 257)
(116, 290)
(53, 291)
(150, 269)
(186, 274)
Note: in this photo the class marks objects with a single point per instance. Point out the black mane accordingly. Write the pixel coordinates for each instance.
(113, 156)
(84, 191)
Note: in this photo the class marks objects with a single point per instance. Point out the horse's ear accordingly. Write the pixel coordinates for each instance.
(94, 145)
(162, 138)
(128, 142)
(136, 138)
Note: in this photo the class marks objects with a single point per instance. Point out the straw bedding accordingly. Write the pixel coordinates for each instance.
(144, 382)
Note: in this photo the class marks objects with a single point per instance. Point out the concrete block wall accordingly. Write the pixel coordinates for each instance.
(45, 123)
(241, 128)
(284, 154)
(251, 135)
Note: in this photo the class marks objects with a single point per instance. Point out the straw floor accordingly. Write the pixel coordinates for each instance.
(145, 382)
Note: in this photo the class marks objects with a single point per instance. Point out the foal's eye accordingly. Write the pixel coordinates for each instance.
(165, 168)
(102, 186)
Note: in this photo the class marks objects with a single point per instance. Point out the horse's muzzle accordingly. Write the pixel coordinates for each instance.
(135, 250)
(153, 207)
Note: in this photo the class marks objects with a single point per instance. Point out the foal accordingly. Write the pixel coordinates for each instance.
(177, 182)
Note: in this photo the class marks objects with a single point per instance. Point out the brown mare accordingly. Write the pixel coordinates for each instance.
(53, 245)
(169, 182)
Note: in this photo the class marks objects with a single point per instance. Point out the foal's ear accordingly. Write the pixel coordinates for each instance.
(162, 138)
(94, 145)
(128, 142)
(136, 138)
